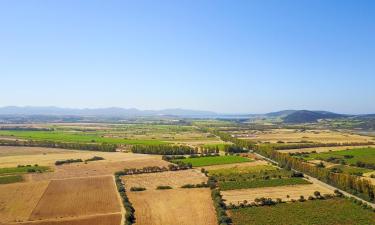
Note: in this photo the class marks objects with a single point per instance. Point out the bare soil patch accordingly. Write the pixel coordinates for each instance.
(17, 201)
(78, 197)
(294, 192)
(174, 179)
(172, 207)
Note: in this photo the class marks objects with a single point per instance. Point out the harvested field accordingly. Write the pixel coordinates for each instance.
(323, 149)
(172, 207)
(97, 168)
(236, 165)
(294, 192)
(17, 201)
(107, 219)
(78, 197)
(294, 135)
(175, 179)
(48, 156)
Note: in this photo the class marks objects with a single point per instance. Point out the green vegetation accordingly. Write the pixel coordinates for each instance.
(213, 160)
(349, 170)
(10, 179)
(351, 157)
(23, 169)
(67, 161)
(318, 212)
(78, 137)
(135, 189)
(163, 187)
(95, 158)
(232, 185)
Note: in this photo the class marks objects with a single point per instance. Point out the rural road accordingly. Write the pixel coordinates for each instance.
(316, 181)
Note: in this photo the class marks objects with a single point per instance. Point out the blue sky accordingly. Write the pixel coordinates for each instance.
(225, 56)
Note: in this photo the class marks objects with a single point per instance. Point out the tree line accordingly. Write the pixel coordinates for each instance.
(316, 145)
(164, 149)
(103, 147)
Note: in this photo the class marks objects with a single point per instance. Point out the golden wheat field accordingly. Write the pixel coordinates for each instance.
(294, 192)
(78, 197)
(294, 135)
(174, 179)
(172, 207)
(18, 200)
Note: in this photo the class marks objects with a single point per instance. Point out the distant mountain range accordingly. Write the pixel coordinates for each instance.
(287, 116)
(112, 111)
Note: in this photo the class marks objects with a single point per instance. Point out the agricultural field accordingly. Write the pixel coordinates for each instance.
(286, 193)
(241, 168)
(77, 197)
(298, 136)
(351, 157)
(174, 206)
(174, 179)
(214, 160)
(235, 185)
(18, 200)
(322, 149)
(318, 212)
(10, 179)
(126, 134)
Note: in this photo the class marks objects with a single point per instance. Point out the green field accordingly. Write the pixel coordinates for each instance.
(334, 211)
(10, 179)
(242, 170)
(366, 155)
(79, 137)
(233, 185)
(214, 160)
(351, 169)
(24, 169)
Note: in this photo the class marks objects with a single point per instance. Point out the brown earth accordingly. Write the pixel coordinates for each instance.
(174, 207)
(174, 179)
(17, 201)
(78, 197)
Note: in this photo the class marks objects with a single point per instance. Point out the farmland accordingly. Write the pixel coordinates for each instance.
(176, 206)
(214, 160)
(319, 212)
(352, 156)
(286, 193)
(260, 183)
(10, 179)
(96, 195)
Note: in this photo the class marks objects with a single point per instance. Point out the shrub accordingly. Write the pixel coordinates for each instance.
(134, 189)
(163, 187)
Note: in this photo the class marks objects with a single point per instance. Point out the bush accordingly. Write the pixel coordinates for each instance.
(61, 162)
(163, 187)
(134, 189)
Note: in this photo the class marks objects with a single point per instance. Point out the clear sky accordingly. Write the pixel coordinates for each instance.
(225, 56)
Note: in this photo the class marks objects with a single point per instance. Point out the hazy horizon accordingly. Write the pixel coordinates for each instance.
(248, 57)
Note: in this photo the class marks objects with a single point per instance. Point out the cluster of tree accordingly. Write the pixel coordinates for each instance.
(347, 182)
(163, 187)
(171, 158)
(104, 147)
(317, 145)
(164, 149)
(201, 185)
(229, 138)
(17, 128)
(95, 158)
(234, 149)
(129, 209)
(209, 149)
(134, 189)
(67, 161)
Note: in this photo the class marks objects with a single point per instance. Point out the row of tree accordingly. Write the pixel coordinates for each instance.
(164, 149)
(103, 147)
(154, 169)
(316, 145)
(129, 209)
